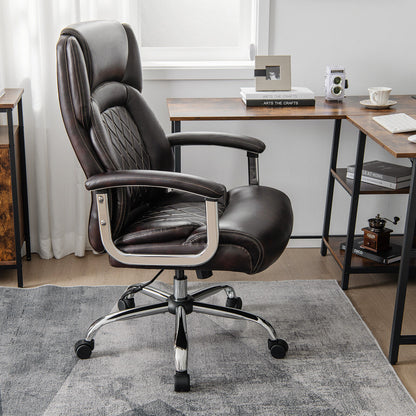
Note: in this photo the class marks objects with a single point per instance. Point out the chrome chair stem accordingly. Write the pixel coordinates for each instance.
(181, 341)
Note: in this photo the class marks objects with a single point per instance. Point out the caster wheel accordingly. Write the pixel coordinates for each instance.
(278, 348)
(182, 381)
(126, 303)
(83, 348)
(235, 303)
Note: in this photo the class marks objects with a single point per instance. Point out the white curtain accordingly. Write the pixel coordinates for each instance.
(58, 201)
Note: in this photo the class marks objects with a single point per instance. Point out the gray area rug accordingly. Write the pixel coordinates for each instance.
(334, 365)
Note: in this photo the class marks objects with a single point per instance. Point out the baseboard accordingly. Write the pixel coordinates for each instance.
(304, 242)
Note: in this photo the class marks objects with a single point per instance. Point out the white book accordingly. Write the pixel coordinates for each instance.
(296, 93)
(380, 182)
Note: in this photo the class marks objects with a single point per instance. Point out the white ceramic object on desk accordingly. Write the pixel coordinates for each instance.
(370, 104)
(379, 95)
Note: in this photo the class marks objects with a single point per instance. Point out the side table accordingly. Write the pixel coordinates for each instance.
(14, 213)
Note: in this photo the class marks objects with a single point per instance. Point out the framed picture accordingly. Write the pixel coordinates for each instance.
(272, 73)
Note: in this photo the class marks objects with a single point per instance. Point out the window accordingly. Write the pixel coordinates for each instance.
(200, 35)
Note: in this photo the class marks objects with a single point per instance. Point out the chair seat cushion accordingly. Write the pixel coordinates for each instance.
(173, 217)
(255, 225)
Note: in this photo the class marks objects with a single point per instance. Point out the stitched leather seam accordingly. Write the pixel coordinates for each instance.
(120, 195)
(70, 97)
(256, 242)
(138, 127)
(140, 234)
(97, 135)
(84, 111)
(243, 249)
(80, 94)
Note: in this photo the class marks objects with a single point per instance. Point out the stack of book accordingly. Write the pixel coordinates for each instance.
(392, 255)
(385, 174)
(297, 96)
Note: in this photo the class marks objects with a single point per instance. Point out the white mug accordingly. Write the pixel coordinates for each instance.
(379, 95)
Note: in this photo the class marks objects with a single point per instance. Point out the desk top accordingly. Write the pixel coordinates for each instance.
(396, 144)
(11, 97)
(187, 109)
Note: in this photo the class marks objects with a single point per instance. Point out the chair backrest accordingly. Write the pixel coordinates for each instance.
(107, 120)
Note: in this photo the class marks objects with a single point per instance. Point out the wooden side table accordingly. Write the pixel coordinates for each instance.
(14, 213)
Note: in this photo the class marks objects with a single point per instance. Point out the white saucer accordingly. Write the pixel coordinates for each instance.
(369, 104)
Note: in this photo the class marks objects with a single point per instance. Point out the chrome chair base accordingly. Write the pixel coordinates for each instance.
(180, 303)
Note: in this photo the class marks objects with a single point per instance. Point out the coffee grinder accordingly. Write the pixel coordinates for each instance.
(376, 236)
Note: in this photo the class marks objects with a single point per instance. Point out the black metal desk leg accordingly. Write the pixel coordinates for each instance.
(23, 180)
(409, 231)
(176, 128)
(330, 187)
(353, 210)
(12, 155)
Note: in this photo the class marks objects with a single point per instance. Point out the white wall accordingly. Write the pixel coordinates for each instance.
(375, 42)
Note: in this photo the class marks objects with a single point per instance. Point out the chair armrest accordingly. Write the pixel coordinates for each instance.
(210, 190)
(158, 179)
(250, 144)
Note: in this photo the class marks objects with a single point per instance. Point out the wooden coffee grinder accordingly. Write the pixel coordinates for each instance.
(376, 236)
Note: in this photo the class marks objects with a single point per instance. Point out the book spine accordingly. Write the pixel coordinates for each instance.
(279, 103)
(379, 182)
(368, 255)
(375, 175)
(278, 96)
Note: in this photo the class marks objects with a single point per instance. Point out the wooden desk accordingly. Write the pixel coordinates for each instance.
(193, 109)
(14, 214)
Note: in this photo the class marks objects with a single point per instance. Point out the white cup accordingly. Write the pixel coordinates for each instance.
(379, 95)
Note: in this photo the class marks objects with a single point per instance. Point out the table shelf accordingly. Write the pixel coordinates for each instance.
(361, 264)
(340, 174)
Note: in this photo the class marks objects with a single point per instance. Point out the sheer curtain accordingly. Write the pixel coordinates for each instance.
(58, 201)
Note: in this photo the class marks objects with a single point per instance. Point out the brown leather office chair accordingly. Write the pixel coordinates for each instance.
(143, 213)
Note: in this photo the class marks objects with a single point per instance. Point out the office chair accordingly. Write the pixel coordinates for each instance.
(143, 214)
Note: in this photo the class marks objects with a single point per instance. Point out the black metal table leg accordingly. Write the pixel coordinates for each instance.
(12, 155)
(353, 210)
(23, 179)
(330, 187)
(176, 128)
(409, 231)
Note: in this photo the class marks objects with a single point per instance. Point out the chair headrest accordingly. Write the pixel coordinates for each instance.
(110, 51)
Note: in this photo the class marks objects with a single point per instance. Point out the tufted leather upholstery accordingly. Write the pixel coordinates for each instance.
(112, 130)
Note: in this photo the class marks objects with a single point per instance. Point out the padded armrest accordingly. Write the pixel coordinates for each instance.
(156, 178)
(248, 143)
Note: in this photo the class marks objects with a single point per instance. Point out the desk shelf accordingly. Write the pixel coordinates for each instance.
(361, 264)
(365, 188)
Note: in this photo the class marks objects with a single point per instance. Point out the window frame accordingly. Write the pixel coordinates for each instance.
(216, 69)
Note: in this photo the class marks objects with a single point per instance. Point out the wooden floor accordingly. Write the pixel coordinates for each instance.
(373, 295)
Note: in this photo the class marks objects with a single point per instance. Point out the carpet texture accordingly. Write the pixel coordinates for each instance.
(334, 365)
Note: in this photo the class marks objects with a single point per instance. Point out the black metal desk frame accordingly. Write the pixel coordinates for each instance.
(407, 250)
(397, 338)
(13, 169)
